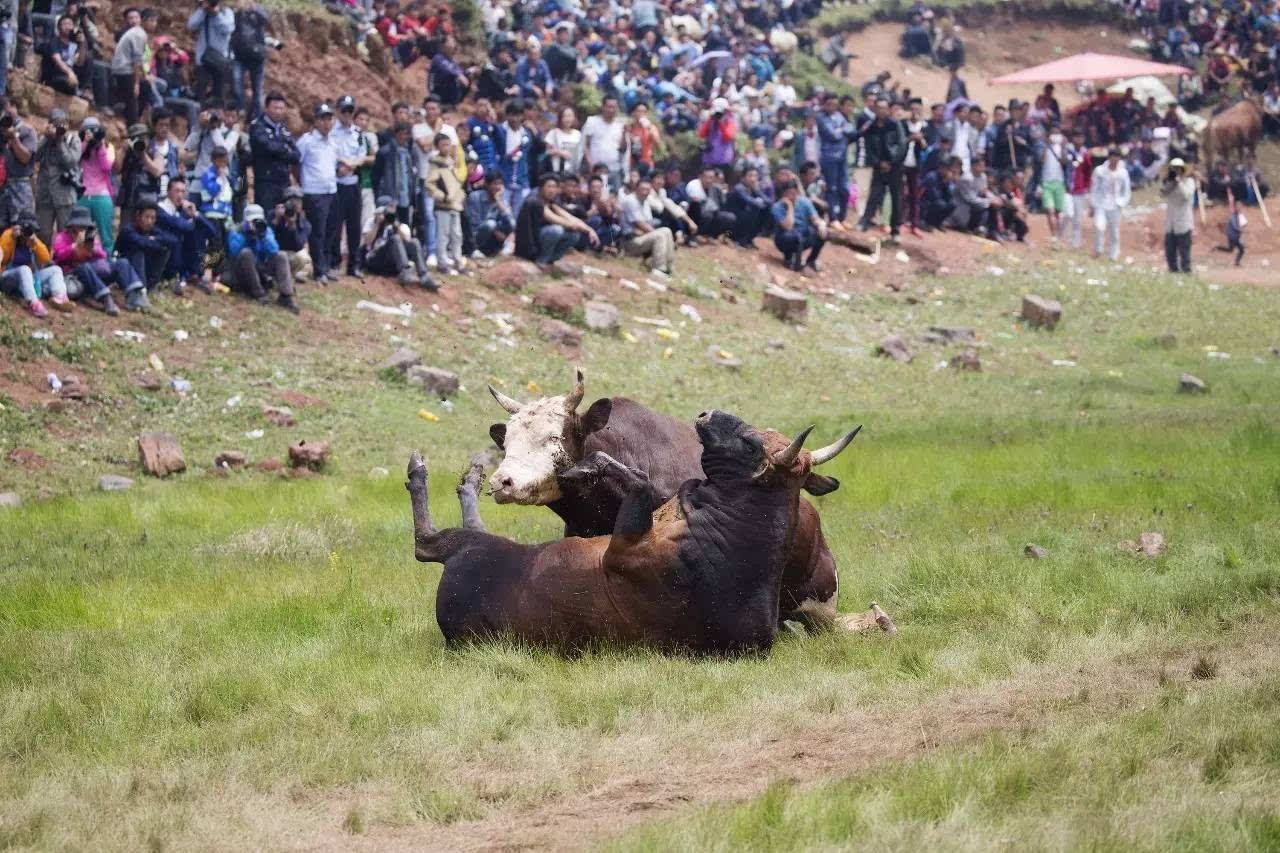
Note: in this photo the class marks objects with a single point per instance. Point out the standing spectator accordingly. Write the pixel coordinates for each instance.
(886, 146)
(717, 133)
(369, 152)
(249, 50)
(131, 63)
(396, 172)
(564, 144)
(750, 209)
(1055, 160)
(641, 236)
(483, 134)
(914, 126)
(58, 180)
(255, 262)
(28, 269)
(1179, 192)
(835, 132)
(1080, 178)
(274, 152)
(515, 144)
(213, 25)
(544, 230)
(318, 167)
(424, 146)
(390, 249)
(490, 216)
(146, 250)
(77, 249)
(643, 137)
(8, 39)
(351, 155)
(604, 141)
(449, 196)
(19, 139)
(447, 79)
(797, 227)
(1110, 195)
(96, 161)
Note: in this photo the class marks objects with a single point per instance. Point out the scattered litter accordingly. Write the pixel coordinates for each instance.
(995, 270)
(656, 285)
(903, 257)
(42, 335)
(180, 335)
(667, 334)
(1115, 373)
(666, 353)
(55, 384)
(1096, 282)
(1265, 262)
(129, 335)
(1218, 354)
(534, 387)
(378, 472)
(219, 287)
(500, 320)
(182, 386)
(156, 364)
(233, 401)
(447, 405)
(215, 322)
(435, 307)
(1209, 347)
(942, 365)
(588, 270)
(653, 321)
(1215, 287)
(405, 309)
(844, 297)
(628, 284)
(662, 275)
(429, 417)
(629, 338)
(254, 433)
(1128, 260)
(691, 312)
(1063, 362)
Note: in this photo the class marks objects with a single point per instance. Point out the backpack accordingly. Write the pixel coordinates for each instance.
(248, 40)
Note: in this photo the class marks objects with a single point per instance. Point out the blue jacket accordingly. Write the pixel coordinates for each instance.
(528, 76)
(515, 170)
(210, 189)
(483, 142)
(264, 248)
(835, 133)
(481, 208)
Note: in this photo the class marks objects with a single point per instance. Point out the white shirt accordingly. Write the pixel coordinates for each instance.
(694, 190)
(346, 146)
(319, 166)
(604, 141)
(783, 96)
(1111, 188)
(421, 131)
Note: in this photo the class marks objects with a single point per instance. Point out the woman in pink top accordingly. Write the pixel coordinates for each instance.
(95, 167)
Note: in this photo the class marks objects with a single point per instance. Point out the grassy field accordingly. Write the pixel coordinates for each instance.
(254, 663)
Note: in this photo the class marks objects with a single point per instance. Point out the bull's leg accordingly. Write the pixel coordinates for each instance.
(861, 623)
(603, 479)
(469, 493)
(424, 529)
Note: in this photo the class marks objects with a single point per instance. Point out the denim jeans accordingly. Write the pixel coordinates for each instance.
(96, 275)
(489, 239)
(554, 243)
(836, 174)
(7, 43)
(427, 205)
(255, 74)
(31, 286)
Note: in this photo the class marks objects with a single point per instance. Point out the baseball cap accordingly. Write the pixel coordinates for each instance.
(346, 103)
(136, 130)
(58, 117)
(253, 213)
(1177, 163)
(323, 110)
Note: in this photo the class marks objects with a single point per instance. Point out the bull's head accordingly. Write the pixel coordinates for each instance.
(541, 439)
(732, 447)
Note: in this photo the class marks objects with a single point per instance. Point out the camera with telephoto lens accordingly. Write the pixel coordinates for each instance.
(6, 126)
(71, 179)
(259, 227)
(273, 43)
(389, 218)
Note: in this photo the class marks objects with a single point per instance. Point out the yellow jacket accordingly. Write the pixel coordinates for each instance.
(7, 249)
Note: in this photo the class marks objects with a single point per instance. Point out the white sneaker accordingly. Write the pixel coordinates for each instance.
(431, 262)
(477, 255)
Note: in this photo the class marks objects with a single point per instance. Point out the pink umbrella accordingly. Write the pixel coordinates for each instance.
(1090, 66)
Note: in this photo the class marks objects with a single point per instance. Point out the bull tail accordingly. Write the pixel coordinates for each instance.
(425, 536)
(1207, 144)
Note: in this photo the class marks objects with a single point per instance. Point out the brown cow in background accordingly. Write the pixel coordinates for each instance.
(1237, 129)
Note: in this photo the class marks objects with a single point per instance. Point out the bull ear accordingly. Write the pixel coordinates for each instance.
(596, 417)
(817, 484)
(498, 432)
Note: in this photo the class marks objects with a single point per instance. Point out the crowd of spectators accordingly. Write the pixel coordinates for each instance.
(208, 186)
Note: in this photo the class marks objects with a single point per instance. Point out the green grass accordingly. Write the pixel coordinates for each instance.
(211, 663)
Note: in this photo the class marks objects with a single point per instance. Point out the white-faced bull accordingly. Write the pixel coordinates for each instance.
(699, 572)
(556, 458)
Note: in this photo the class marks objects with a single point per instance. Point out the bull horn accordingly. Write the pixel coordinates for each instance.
(574, 398)
(787, 457)
(504, 401)
(831, 451)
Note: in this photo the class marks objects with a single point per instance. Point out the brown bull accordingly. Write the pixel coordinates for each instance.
(700, 572)
(1237, 129)
(562, 460)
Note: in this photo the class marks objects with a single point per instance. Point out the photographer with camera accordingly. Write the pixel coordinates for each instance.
(60, 55)
(58, 182)
(190, 233)
(255, 262)
(1179, 192)
(213, 25)
(391, 250)
(293, 231)
(19, 140)
(97, 158)
(133, 79)
(28, 269)
(139, 171)
(78, 251)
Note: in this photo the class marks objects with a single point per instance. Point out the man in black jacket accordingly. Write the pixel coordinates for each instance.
(886, 146)
(750, 209)
(274, 152)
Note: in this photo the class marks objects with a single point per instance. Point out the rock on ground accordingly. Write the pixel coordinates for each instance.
(951, 334)
(8, 500)
(787, 305)
(560, 299)
(1149, 544)
(1035, 552)
(114, 483)
(26, 458)
(512, 274)
(304, 454)
(437, 381)
(602, 316)
(1166, 340)
(401, 360)
(281, 416)
(230, 459)
(1189, 384)
(160, 454)
(1039, 311)
(967, 360)
(894, 347)
(560, 332)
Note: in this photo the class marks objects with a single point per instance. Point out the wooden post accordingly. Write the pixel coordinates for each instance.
(1253, 182)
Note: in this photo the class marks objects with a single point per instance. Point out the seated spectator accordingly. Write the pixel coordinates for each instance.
(176, 216)
(938, 194)
(707, 200)
(544, 230)
(387, 23)
(255, 263)
(561, 56)
(146, 249)
(77, 249)
(814, 188)
(447, 79)
(490, 217)
(27, 270)
(670, 214)
(59, 56)
(976, 205)
(750, 209)
(1011, 218)
(915, 39)
(797, 227)
(497, 80)
(391, 250)
(602, 214)
(532, 74)
(642, 236)
(293, 231)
